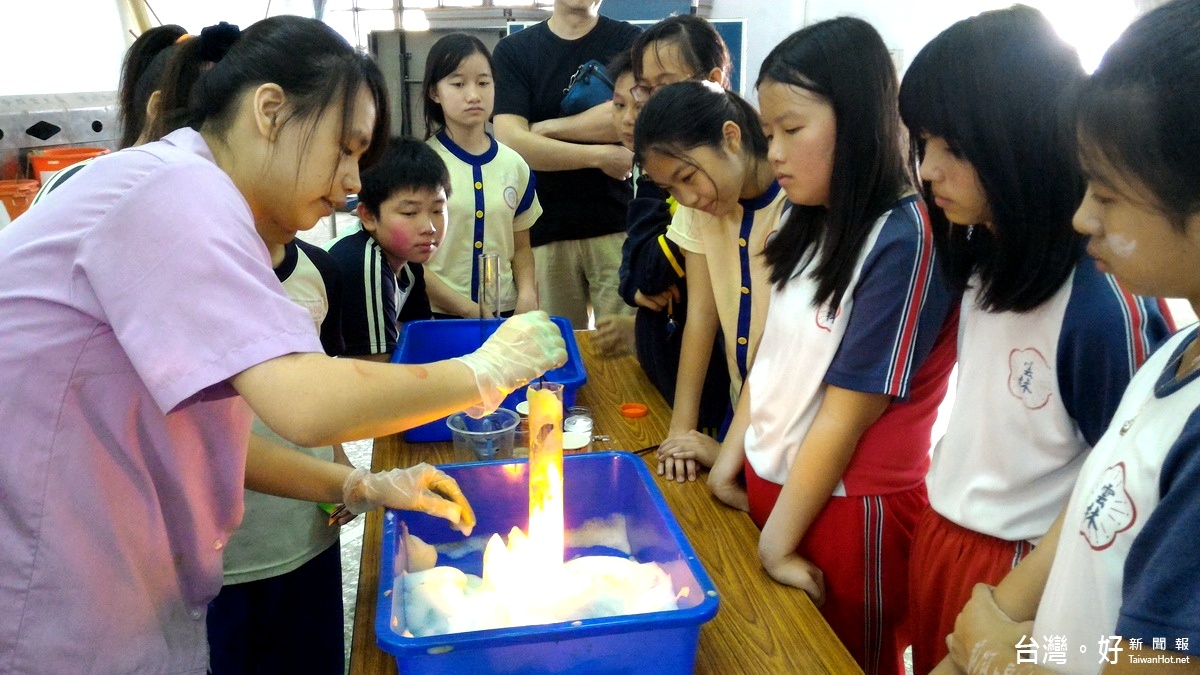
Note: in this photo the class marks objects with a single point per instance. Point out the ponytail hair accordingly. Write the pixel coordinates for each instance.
(314, 66)
(689, 115)
(844, 62)
(443, 59)
(148, 49)
(190, 59)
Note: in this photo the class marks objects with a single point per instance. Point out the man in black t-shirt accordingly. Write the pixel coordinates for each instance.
(582, 173)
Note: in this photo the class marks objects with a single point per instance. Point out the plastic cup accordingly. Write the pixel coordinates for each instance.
(489, 437)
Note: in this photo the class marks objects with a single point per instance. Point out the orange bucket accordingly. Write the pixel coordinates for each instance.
(17, 195)
(45, 163)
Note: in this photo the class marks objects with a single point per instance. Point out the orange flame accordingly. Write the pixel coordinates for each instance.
(531, 562)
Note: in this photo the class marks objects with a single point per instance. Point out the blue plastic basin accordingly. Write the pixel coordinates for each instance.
(429, 341)
(596, 485)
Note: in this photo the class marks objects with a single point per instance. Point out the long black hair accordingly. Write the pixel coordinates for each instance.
(1140, 114)
(700, 45)
(994, 86)
(313, 65)
(662, 129)
(441, 62)
(137, 75)
(845, 62)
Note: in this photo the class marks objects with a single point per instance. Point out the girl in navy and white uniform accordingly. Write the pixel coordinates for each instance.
(714, 162)
(833, 427)
(493, 203)
(1115, 578)
(1046, 342)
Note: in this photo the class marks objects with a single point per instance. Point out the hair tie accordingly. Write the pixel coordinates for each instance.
(216, 40)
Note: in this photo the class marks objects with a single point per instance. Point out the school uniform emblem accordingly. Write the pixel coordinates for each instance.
(1110, 510)
(1030, 377)
(827, 316)
(510, 197)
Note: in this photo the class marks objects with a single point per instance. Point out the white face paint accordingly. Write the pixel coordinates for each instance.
(1121, 246)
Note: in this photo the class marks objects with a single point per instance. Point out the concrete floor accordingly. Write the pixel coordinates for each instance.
(352, 534)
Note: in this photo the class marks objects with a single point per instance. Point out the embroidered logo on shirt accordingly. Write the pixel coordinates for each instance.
(510, 197)
(1110, 510)
(1029, 377)
(826, 317)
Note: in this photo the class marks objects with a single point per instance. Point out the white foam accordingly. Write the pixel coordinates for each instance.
(444, 600)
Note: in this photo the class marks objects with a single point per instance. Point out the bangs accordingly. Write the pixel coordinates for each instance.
(930, 95)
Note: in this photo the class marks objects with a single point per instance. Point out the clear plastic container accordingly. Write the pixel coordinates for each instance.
(489, 437)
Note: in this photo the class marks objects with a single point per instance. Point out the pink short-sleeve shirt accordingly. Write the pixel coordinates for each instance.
(128, 298)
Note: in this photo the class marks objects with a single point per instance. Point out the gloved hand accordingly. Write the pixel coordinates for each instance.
(418, 488)
(521, 349)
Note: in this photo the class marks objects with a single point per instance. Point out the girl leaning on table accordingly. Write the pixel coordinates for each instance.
(676, 49)
(1114, 587)
(833, 427)
(1046, 343)
(713, 160)
(124, 448)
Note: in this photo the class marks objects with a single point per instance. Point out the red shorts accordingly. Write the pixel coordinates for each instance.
(861, 544)
(947, 561)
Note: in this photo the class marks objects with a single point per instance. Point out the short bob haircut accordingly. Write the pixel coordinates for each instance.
(660, 128)
(845, 62)
(314, 66)
(405, 164)
(995, 87)
(1139, 114)
(441, 62)
(699, 44)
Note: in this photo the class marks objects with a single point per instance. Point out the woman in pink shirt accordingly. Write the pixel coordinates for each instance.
(143, 322)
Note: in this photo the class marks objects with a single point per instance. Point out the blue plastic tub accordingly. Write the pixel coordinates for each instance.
(428, 341)
(598, 485)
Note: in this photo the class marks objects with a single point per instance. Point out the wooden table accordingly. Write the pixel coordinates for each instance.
(761, 627)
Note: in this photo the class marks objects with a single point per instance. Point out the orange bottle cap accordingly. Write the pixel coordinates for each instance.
(634, 409)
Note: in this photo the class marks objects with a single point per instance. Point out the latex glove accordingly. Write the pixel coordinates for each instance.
(521, 349)
(418, 488)
(985, 638)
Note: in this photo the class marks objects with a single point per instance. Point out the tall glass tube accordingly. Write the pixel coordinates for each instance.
(489, 285)
(546, 524)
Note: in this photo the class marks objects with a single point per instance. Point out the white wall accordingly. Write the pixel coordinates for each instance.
(59, 46)
(1090, 26)
(768, 22)
(908, 26)
(62, 46)
(50, 46)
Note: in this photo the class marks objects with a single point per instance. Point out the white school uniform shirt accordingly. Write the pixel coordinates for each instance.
(732, 247)
(494, 196)
(875, 341)
(1034, 392)
(1126, 560)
